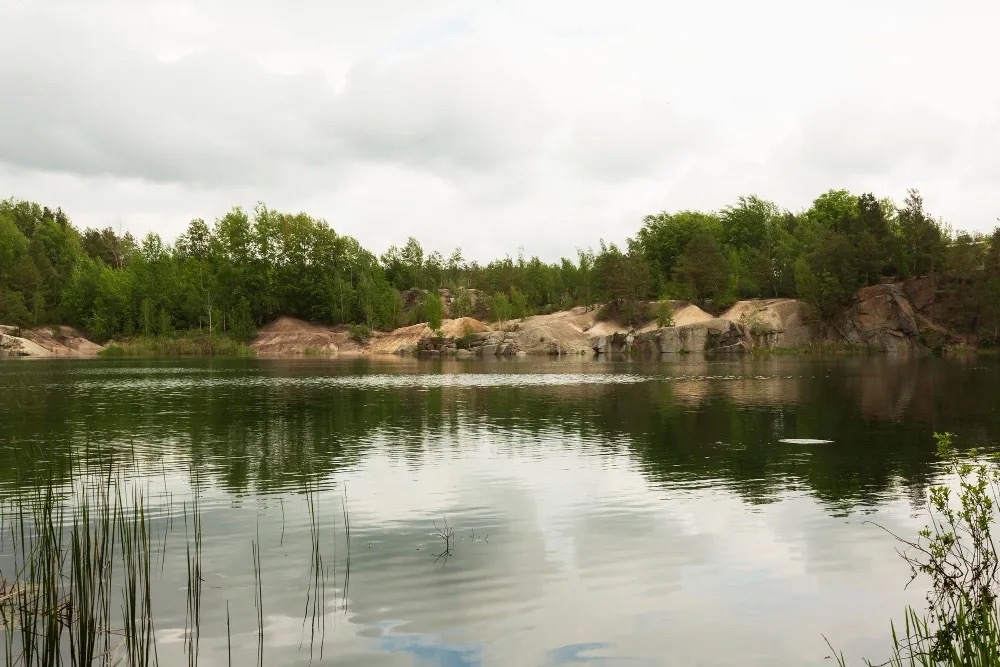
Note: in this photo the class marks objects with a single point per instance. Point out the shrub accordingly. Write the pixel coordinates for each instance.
(664, 314)
(360, 333)
(466, 340)
(961, 626)
(629, 313)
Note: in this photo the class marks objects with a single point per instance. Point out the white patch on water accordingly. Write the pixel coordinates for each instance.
(804, 441)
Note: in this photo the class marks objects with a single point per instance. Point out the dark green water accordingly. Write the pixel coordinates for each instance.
(613, 514)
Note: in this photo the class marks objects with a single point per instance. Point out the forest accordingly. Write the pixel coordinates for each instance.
(248, 267)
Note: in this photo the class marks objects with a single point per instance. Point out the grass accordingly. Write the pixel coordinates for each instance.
(182, 345)
(317, 352)
(80, 567)
(974, 642)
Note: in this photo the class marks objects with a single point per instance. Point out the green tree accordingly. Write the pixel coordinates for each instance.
(663, 238)
(518, 304)
(626, 282)
(703, 268)
(500, 308)
(433, 310)
(664, 315)
(921, 239)
(821, 290)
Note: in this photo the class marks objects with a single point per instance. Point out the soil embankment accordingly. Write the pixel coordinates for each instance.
(288, 336)
(57, 341)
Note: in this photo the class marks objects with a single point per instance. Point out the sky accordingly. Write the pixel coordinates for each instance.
(494, 126)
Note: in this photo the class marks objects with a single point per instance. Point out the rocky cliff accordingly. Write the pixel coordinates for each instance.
(880, 317)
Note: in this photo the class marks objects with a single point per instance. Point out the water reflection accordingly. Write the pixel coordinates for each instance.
(614, 514)
(265, 426)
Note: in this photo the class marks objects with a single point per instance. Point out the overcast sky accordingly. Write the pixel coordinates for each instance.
(494, 125)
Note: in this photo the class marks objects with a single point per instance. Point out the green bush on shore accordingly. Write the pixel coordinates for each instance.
(190, 345)
(956, 552)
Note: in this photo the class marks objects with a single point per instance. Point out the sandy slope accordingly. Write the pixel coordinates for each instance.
(290, 336)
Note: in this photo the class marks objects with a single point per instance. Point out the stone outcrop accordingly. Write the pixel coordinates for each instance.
(776, 323)
(882, 317)
(56, 341)
(482, 344)
(716, 335)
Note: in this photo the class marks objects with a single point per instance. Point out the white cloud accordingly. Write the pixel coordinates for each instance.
(493, 125)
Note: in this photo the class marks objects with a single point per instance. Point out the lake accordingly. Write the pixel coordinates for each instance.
(529, 512)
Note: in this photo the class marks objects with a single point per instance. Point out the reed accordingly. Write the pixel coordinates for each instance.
(192, 621)
(78, 573)
(189, 344)
(315, 610)
(258, 597)
(137, 599)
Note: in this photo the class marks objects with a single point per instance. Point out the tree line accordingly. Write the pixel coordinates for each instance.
(248, 267)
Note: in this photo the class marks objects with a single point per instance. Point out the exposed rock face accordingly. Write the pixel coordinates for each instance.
(920, 293)
(882, 317)
(775, 323)
(482, 344)
(436, 346)
(58, 341)
(717, 335)
(613, 344)
(16, 346)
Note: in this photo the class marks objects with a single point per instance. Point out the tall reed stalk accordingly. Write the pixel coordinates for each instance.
(77, 575)
(192, 621)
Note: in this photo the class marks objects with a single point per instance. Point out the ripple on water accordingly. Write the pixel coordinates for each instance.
(377, 381)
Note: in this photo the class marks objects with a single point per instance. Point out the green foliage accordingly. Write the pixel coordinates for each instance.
(822, 349)
(247, 267)
(956, 553)
(191, 344)
(664, 314)
(360, 333)
(500, 308)
(518, 304)
(703, 267)
(633, 314)
(241, 326)
(822, 290)
(663, 237)
(466, 340)
(627, 282)
(433, 310)
(462, 305)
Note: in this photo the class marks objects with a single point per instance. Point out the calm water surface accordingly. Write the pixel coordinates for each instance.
(609, 514)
